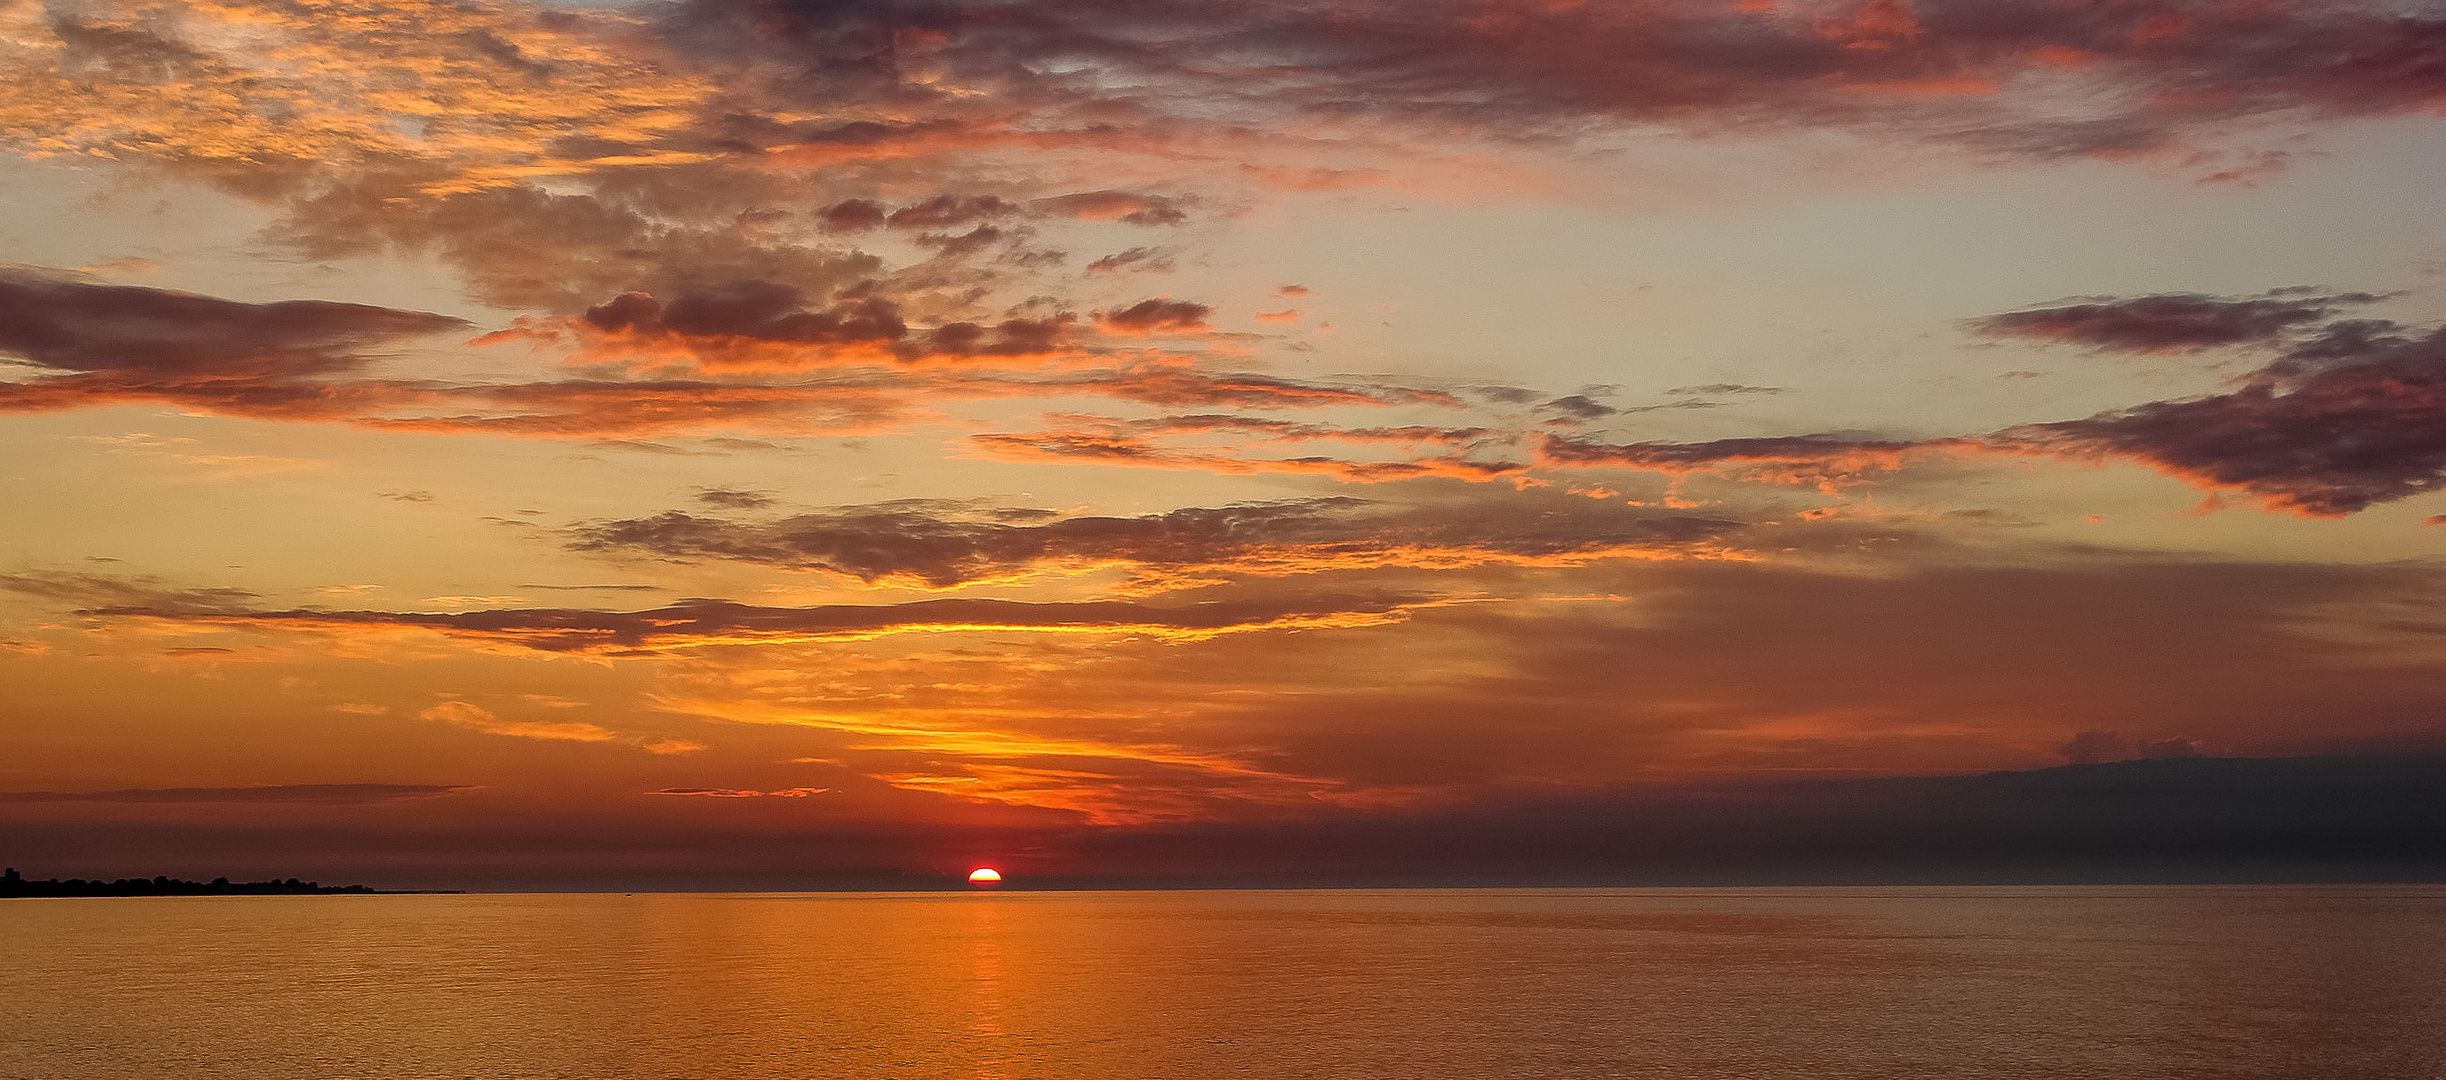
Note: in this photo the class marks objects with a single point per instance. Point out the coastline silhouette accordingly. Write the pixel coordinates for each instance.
(13, 884)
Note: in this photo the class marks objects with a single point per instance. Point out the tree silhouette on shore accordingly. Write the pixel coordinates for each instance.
(14, 884)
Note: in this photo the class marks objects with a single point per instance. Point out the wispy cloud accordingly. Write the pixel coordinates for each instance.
(271, 793)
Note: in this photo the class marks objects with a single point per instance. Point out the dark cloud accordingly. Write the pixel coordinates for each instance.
(700, 623)
(768, 104)
(2097, 745)
(1014, 337)
(1290, 430)
(2349, 414)
(575, 408)
(853, 215)
(64, 324)
(1725, 389)
(2362, 817)
(1508, 395)
(1995, 76)
(1174, 386)
(943, 545)
(944, 211)
(764, 310)
(847, 404)
(2169, 749)
(743, 793)
(99, 590)
(1162, 315)
(2173, 322)
(1112, 446)
(2209, 820)
(595, 588)
(962, 245)
(277, 793)
(1800, 449)
(2343, 422)
(522, 248)
(1141, 259)
(1826, 462)
(1123, 206)
(730, 499)
(295, 362)
(764, 324)
(1576, 409)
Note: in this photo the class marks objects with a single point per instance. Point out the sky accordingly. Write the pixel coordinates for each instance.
(790, 440)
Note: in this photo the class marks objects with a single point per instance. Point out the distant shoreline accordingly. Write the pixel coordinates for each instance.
(14, 886)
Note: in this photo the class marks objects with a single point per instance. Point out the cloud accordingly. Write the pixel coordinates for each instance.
(522, 247)
(174, 81)
(1138, 259)
(2169, 749)
(703, 623)
(669, 747)
(99, 590)
(1175, 385)
(2019, 77)
(1826, 462)
(479, 719)
(763, 310)
(1123, 206)
(2349, 414)
(1575, 409)
(299, 361)
(1108, 446)
(2173, 322)
(847, 403)
(2340, 422)
(558, 157)
(941, 545)
(1249, 428)
(730, 499)
(748, 326)
(739, 793)
(2207, 820)
(1722, 389)
(563, 409)
(853, 215)
(342, 794)
(597, 588)
(1613, 673)
(64, 324)
(2097, 745)
(944, 211)
(1162, 315)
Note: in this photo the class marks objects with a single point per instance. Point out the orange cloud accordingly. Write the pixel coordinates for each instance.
(478, 719)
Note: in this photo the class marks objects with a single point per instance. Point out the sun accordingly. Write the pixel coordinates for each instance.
(985, 875)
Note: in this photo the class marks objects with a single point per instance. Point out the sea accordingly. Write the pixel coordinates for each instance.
(2100, 983)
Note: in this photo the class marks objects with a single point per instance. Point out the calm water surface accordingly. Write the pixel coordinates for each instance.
(2111, 983)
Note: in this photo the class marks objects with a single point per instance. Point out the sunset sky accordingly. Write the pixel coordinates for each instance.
(491, 441)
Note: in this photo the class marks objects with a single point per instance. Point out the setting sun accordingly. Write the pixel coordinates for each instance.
(985, 875)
